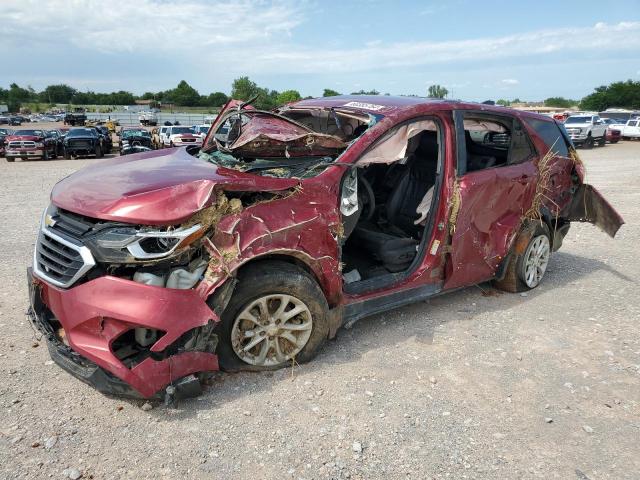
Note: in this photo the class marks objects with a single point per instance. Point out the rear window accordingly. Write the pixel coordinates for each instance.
(551, 135)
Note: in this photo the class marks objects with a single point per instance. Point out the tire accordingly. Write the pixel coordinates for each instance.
(515, 278)
(45, 155)
(615, 141)
(11, 159)
(67, 155)
(270, 281)
(588, 143)
(98, 152)
(603, 141)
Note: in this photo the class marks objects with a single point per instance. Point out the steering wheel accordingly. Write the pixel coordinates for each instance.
(366, 198)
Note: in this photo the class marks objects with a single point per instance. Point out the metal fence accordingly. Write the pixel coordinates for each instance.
(131, 118)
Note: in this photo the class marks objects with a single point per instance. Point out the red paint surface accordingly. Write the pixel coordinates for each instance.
(95, 313)
(162, 187)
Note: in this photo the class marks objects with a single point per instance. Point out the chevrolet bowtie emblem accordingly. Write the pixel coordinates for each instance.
(49, 221)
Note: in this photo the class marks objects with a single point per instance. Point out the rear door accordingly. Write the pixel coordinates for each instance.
(495, 182)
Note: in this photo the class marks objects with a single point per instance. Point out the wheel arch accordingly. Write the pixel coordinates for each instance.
(303, 262)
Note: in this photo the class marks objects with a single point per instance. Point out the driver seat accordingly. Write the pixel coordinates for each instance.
(396, 250)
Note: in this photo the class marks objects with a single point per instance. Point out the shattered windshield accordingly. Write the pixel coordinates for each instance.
(285, 143)
(298, 167)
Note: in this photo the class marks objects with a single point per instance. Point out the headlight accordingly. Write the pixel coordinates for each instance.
(149, 244)
(39, 144)
(117, 244)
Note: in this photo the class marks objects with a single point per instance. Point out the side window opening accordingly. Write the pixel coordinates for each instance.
(521, 147)
(550, 133)
(487, 140)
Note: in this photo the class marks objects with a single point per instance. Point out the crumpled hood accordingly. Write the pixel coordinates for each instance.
(153, 188)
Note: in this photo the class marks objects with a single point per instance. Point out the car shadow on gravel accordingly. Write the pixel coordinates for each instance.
(418, 321)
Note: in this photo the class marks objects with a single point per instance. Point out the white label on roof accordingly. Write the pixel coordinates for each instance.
(364, 106)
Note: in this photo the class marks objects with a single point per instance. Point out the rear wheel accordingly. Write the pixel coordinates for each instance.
(529, 260)
(277, 314)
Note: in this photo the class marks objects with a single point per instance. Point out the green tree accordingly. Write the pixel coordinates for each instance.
(503, 102)
(17, 95)
(57, 94)
(437, 91)
(288, 96)
(215, 99)
(364, 92)
(184, 94)
(559, 102)
(330, 93)
(618, 94)
(243, 89)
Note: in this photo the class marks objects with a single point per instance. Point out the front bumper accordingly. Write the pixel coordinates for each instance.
(96, 313)
(23, 153)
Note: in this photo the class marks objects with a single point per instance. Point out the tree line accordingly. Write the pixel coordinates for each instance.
(618, 94)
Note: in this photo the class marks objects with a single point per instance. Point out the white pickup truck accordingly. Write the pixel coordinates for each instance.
(629, 130)
(586, 130)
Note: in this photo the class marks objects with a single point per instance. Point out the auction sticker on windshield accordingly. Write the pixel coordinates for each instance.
(364, 106)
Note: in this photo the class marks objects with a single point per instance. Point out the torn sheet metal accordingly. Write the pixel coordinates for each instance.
(270, 136)
(588, 205)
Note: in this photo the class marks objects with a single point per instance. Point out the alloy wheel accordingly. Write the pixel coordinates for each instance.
(535, 261)
(271, 330)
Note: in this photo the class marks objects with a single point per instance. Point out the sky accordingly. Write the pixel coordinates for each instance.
(478, 50)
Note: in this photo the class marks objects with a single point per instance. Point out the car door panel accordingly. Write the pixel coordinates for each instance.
(489, 216)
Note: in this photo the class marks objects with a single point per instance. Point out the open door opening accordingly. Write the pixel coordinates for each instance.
(396, 191)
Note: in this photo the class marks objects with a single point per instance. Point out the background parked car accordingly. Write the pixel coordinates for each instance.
(4, 133)
(180, 137)
(613, 135)
(631, 130)
(82, 141)
(586, 130)
(29, 144)
(135, 141)
(58, 139)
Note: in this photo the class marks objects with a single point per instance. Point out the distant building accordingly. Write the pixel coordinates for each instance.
(4, 108)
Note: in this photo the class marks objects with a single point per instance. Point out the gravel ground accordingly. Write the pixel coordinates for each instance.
(474, 384)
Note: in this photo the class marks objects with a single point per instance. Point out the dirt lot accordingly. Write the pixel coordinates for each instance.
(475, 384)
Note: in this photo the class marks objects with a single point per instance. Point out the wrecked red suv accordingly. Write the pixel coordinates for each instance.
(153, 269)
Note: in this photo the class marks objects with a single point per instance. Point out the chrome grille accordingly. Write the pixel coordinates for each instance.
(60, 261)
(18, 144)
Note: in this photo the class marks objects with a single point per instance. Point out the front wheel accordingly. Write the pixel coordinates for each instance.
(98, 152)
(277, 314)
(527, 264)
(588, 143)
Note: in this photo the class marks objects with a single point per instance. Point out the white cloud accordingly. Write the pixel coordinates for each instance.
(510, 81)
(147, 25)
(255, 37)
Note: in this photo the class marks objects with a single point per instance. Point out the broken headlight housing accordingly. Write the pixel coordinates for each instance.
(143, 243)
